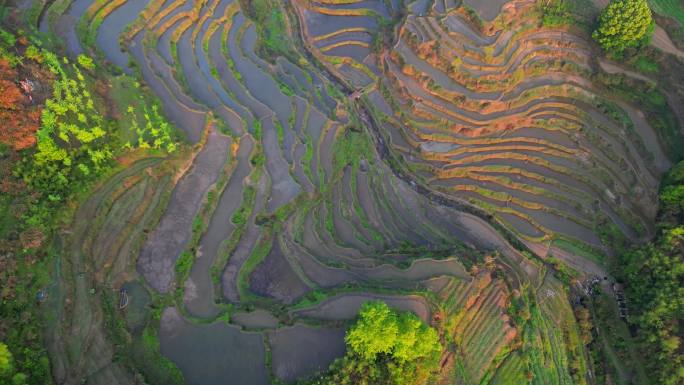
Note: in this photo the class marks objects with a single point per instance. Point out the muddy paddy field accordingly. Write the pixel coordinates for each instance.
(364, 162)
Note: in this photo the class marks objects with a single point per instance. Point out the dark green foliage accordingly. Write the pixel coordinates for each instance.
(284, 88)
(555, 13)
(658, 111)
(270, 21)
(20, 314)
(272, 29)
(653, 276)
(257, 130)
(612, 350)
(669, 8)
(672, 196)
(152, 362)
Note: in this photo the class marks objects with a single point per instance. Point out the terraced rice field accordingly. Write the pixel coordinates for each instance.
(383, 158)
(509, 122)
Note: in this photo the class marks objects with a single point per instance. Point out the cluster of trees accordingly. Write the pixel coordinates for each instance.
(386, 347)
(624, 24)
(72, 140)
(653, 273)
(25, 82)
(653, 276)
(75, 142)
(18, 118)
(55, 140)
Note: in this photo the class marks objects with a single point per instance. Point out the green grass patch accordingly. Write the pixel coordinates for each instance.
(349, 149)
(239, 218)
(269, 18)
(155, 367)
(280, 131)
(184, 263)
(669, 8)
(8, 221)
(646, 64)
(243, 212)
(308, 157)
(580, 249)
(259, 253)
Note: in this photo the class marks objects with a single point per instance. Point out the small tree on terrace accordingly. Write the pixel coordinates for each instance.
(624, 24)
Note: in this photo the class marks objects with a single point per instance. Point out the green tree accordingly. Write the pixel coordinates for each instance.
(73, 143)
(623, 24)
(375, 332)
(386, 347)
(381, 330)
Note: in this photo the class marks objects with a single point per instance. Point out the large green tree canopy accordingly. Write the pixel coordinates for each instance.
(386, 347)
(623, 24)
(380, 330)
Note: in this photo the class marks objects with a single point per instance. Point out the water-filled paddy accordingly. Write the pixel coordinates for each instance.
(199, 289)
(164, 245)
(212, 353)
(290, 362)
(113, 26)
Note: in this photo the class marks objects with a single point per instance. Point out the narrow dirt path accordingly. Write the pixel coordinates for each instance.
(613, 68)
(662, 41)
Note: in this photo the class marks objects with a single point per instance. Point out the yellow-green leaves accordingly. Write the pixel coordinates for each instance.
(623, 24)
(381, 330)
(5, 359)
(375, 332)
(387, 347)
(71, 141)
(86, 62)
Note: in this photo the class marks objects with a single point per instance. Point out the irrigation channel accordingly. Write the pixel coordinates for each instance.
(442, 172)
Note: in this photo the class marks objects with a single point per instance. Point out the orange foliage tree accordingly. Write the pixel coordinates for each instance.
(19, 120)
